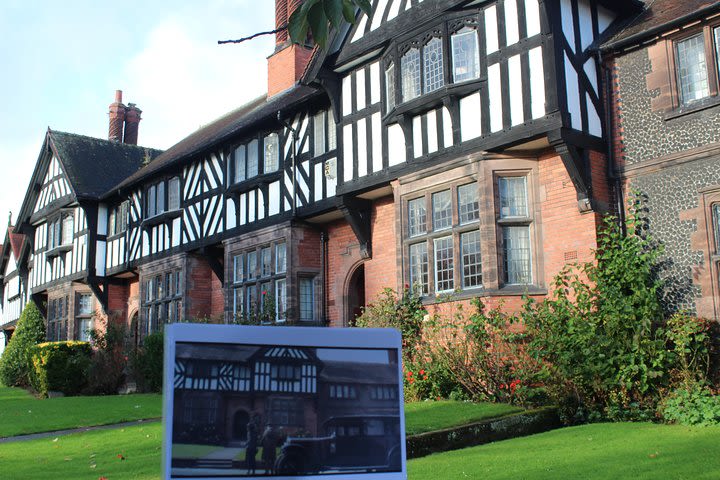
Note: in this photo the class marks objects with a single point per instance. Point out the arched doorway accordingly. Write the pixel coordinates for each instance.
(355, 295)
(240, 423)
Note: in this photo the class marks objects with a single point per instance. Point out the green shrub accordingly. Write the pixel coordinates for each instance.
(109, 362)
(692, 404)
(60, 366)
(147, 363)
(405, 314)
(16, 364)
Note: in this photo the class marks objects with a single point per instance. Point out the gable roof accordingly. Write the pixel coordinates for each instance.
(659, 16)
(212, 135)
(16, 242)
(92, 165)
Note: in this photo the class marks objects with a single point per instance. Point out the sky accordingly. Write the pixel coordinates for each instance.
(61, 62)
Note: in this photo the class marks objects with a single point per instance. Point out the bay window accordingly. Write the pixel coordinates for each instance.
(259, 302)
(465, 56)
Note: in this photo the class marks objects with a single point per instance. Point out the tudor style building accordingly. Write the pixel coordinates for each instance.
(460, 147)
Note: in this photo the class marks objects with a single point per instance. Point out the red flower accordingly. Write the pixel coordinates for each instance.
(409, 373)
(422, 372)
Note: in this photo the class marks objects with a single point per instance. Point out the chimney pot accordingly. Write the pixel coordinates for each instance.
(118, 96)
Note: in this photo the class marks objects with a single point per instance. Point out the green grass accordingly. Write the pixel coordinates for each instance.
(592, 452)
(128, 453)
(21, 413)
(601, 451)
(423, 417)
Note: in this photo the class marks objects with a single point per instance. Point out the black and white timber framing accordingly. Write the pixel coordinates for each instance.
(315, 148)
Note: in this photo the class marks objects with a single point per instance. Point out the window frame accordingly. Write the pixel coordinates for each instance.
(712, 64)
(505, 222)
(246, 301)
(431, 235)
(81, 317)
(56, 226)
(162, 298)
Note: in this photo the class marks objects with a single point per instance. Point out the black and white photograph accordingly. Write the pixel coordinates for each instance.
(248, 410)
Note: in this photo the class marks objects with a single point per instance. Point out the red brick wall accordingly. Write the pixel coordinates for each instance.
(344, 257)
(568, 236)
(381, 271)
(285, 67)
(118, 296)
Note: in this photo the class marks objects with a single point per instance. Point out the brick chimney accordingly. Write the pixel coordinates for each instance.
(117, 118)
(287, 64)
(132, 123)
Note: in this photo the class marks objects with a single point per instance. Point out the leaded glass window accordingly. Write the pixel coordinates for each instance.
(174, 193)
(238, 267)
(280, 299)
(319, 133)
(444, 264)
(466, 60)
(442, 210)
(468, 203)
(68, 224)
(513, 197)
(390, 87)
(417, 217)
(307, 299)
(252, 264)
(331, 133)
(434, 77)
(692, 69)
(252, 159)
(266, 261)
(517, 255)
(419, 268)
(272, 153)
(471, 263)
(280, 258)
(240, 163)
(410, 68)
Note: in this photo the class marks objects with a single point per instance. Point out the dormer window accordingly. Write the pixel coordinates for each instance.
(465, 58)
(428, 63)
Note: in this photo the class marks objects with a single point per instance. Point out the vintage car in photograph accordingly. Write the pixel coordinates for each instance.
(368, 443)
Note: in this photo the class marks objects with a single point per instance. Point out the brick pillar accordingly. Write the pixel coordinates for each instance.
(117, 118)
(132, 123)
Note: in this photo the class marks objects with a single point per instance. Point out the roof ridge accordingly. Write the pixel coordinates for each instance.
(110, 142)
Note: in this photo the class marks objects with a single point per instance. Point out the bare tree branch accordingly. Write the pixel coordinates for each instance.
(244, 39)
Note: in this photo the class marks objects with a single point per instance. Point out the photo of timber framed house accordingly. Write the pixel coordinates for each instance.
(459, 147)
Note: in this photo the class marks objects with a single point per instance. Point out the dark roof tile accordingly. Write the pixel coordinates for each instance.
(658, 14)
(219, 131)
(94, 165)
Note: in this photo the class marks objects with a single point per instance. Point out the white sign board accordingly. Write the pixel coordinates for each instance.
(286, 402)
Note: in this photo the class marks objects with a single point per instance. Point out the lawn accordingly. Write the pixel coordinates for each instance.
(423, 417)
(601, 451)
(22, 413)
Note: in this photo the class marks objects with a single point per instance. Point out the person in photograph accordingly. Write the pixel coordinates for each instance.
(269, 442)
(251, 447)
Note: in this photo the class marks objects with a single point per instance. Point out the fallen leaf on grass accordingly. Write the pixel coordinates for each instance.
(653, 455)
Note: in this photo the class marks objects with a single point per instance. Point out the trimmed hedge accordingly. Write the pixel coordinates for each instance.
(60, 366)
(16, 364)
